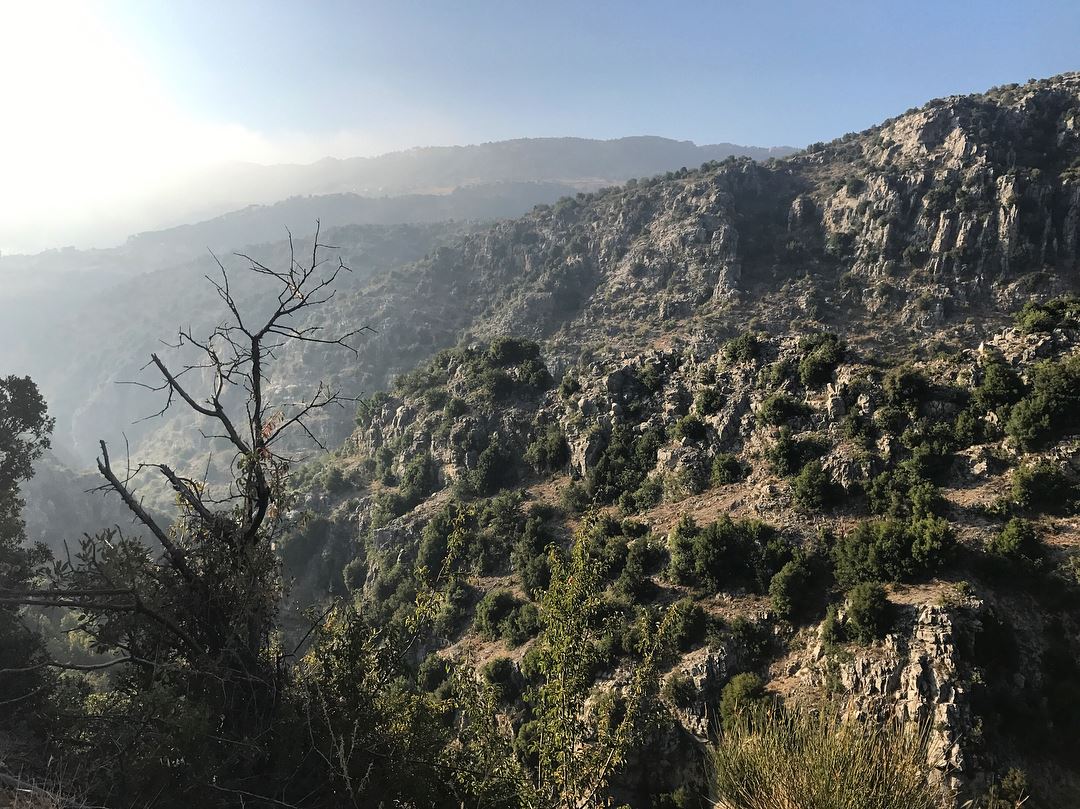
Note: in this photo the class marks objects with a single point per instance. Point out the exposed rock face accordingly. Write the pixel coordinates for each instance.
(913, 675)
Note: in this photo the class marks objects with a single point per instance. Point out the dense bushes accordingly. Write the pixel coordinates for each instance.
(744, 694)
(779, 408)
(499, 615)
(788, 455)
(624, 463)
(1056, 313)
(789, 590)
(813, 489)
(726, 468)
(548, 451)
(892, 550)
(821, 353)
(744, 348)
(1017, 541)
(726, 553)
(689, 427)
(868, 612)
(1052, 409)
(1043, 487)
(903, 492)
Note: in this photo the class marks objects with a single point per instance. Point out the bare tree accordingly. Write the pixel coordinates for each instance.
(198, 616)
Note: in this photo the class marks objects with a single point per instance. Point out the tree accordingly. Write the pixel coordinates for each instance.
(25, 427)
(187, 631)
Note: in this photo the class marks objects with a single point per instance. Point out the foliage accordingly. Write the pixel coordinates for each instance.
(1043, 487)
(1018, 540)
(789, 589)
(726, 468)
(1052, 409)
(821, 353)
(744, 348)
(815, 757)
(690, 428)
(903, 492)
(868, 612)
(624, 463)
(744, 695)
(779, 408)
(813, 489)
(726, 553)
(788, 454)
(892, 550)
(548, 451)
(1055, 313)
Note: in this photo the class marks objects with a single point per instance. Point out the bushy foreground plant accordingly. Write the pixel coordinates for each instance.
(800, 758)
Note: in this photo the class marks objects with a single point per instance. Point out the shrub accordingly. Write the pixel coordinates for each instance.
(726, 552)
(892, 550)
(788, 455)
(569, 386)
(902, 492)
(492, 610)
(548, 451)
(709, 401)
(1055, 313)
(726, 468)
(905, 387)
(789, 589)
(624, 462)
(511, 351)
(743, 695)
(868, 612)
(1042, 487)
(1000, 384)
(496, 467)
(1052, 409)
(744, 348)
(688, 624)
(575, 497)
(1018, 540)
(820, 758)
(813, 488)
(821, 354)
(680, 690)
(779, 409)
(419, 479)
(501, 675)
(690, 427)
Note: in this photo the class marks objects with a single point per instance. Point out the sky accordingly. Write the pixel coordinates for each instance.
(106, 100)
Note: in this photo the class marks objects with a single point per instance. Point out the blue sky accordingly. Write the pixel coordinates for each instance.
(117, 103)
(763, 73)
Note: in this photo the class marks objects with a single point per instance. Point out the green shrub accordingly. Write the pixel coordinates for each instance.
(902, 492)
(496, 467)
(1061, 312)
(744, 348)
(690, 427)
(788, 455)
(726, 468)
(1052, 409)
(1043, 487)
(575, 497)
(821, 354)
(743, 695)
(419, 479)
(1018, 540)
(1000, 384)
(905, 387)
(789, 590)
(624, 463)
(569, 386)
(501, 675)
(688, 624)
(868, 612)
(892, 550)
(680, 690)
(548, 451)
(813, 488)
(726, 553)
(511, 351)
(709, 401)
(779, 409)
(492, 611)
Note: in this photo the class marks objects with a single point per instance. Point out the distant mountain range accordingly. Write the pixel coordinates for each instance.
(579, 163)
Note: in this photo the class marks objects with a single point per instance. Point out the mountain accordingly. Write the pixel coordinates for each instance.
(827, 404)
(578, 163)
(779, 384)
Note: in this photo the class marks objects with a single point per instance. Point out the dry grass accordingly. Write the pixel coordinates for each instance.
(802, 759)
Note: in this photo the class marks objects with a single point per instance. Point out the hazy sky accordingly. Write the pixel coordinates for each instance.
(104, 100)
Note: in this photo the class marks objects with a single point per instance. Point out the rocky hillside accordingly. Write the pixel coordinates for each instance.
(828, 405)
